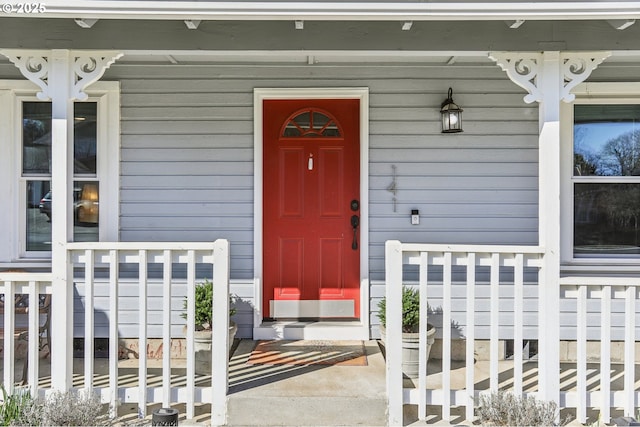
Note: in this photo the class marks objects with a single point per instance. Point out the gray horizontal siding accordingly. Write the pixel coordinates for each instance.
(187, 154)
(9, 71)
(626, 71)
(128, 313)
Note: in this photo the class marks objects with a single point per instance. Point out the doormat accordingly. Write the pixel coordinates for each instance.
(309, 352)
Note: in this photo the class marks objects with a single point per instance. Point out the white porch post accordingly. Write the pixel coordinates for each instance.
(61, 222)
(220, 359)
(550, 84)
(549, 78)
(393, 346)
(62, 76)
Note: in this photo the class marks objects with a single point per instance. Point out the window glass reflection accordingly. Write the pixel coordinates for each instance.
(606, 218)
(38, 216)
(606, 140)
(36, 137)
(84, 137)
(85, 211)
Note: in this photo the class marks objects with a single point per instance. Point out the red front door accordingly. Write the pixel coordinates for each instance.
(311, 215)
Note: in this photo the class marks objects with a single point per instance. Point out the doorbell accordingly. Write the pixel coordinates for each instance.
(415, 217)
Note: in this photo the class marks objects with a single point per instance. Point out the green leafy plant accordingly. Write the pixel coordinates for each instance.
(204, 307)
(410, 310)
(14, 404)
(506, 409)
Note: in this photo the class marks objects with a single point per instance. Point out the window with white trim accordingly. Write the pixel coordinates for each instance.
(605, 177)
(36, 173)
(95, 163)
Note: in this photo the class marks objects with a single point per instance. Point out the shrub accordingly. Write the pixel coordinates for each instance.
(204, 307)
(64, 409)
(506, 409)
(410, 310)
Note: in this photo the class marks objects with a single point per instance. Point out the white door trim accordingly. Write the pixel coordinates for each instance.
(361, 329)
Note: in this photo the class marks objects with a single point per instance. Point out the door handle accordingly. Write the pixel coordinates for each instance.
(355, 222)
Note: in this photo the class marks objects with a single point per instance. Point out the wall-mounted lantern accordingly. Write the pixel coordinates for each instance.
(451, 115)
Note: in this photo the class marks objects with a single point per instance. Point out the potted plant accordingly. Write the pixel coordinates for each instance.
(410, 327)
(203, 325)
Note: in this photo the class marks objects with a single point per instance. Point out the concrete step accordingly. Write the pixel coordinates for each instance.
(306, 411)
(316, 395)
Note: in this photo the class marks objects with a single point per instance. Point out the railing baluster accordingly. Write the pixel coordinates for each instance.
(167, 273)
(143, 295)
(31, 285)
(113, 331)
(470, 356)
(9, 328)
(581, 353)
(89, 332)
(422, 341)
(605, 355)
(446, 338)
(34, 337)
(191, 372)
(495, 321)
(629, 351)
(518, 322)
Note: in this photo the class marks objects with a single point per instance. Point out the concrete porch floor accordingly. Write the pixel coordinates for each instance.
(318, 395)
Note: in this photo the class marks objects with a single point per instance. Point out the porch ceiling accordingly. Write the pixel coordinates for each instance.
(330, 41)
(344, 10)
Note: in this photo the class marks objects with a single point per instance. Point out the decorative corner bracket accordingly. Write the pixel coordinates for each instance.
(34, 65)
(525, 70)
(87, 67)
(576, 68)
(522, 69)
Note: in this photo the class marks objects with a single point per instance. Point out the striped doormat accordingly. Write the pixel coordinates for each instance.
(309, 352)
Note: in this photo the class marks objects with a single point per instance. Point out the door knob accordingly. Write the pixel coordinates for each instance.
(355, 222)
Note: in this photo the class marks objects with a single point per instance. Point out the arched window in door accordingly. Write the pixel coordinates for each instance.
(311, 123)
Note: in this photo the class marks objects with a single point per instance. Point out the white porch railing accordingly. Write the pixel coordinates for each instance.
(112, 257)
(596, 311)
(33, 285)
(514, 259)
(605, 293)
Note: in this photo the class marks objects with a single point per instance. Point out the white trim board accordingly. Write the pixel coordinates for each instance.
(357, 330)
(311, 308)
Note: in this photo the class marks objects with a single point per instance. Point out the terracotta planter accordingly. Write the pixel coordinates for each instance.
(202, 344)
(410, 341)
